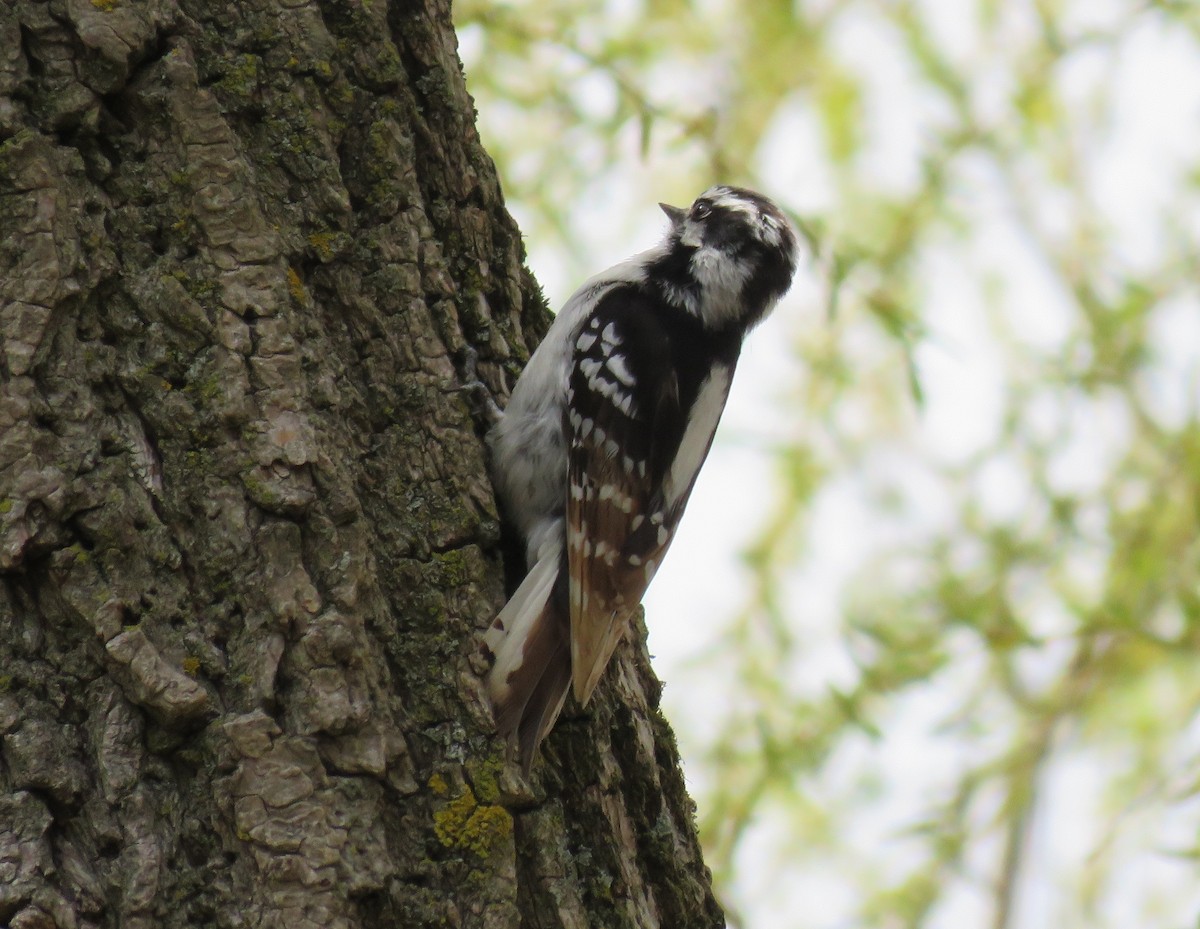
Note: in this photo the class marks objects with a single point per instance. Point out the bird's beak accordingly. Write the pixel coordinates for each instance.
(674, 214)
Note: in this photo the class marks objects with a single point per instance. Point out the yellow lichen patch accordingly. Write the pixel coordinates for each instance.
(105, 6)
(295, 285)
(191, 665)
(323, 243)
(466, 824)
(485, 778)
(438, 785)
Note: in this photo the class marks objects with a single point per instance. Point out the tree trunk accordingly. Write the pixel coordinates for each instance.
(247, 538)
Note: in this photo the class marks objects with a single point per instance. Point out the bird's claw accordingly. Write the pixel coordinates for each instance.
(484, 403)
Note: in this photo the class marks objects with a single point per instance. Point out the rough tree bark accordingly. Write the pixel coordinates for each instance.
(247, 540)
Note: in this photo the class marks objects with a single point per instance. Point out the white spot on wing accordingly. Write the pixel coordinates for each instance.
(611, 391)
(616, 364)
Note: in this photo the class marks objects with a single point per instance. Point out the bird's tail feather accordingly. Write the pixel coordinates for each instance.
(531, 672)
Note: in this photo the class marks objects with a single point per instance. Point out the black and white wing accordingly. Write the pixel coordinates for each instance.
(639, 426)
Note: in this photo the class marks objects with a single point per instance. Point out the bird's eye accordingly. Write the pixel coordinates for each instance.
(701, 210)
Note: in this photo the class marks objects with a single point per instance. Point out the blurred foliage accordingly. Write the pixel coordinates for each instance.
(990, 715)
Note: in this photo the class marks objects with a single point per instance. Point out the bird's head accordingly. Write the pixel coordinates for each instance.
(735, 253)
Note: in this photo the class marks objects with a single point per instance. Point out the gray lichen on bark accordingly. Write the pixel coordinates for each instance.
(247, 540)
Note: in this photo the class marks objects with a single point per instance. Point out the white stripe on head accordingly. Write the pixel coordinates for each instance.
(766, 224)
(728, 199)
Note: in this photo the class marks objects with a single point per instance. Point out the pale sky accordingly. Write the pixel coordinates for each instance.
(1134, 170)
